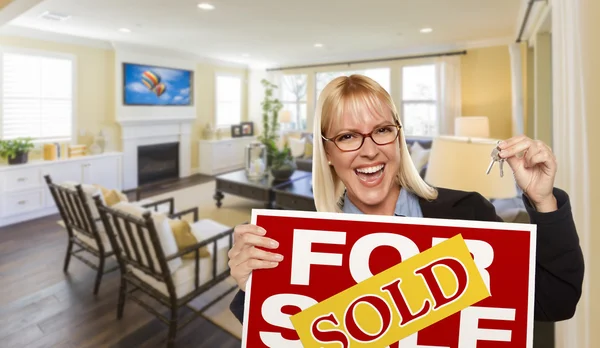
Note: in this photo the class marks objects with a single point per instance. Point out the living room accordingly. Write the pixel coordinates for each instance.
(466, 70)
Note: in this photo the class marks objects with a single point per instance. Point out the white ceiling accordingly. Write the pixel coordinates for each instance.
(282, 32)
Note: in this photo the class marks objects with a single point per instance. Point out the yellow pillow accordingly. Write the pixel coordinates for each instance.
(111, 197)
(308, 150)
(185, 238)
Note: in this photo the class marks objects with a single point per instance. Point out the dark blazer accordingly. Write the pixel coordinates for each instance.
(559, 259)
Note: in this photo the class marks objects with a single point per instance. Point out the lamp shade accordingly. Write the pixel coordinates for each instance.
(472, 126)
(285, 116)
(461, 163)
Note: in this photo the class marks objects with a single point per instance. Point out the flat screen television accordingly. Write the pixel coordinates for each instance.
(154, 85)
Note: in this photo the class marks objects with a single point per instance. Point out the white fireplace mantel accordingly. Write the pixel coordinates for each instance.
(137, 132)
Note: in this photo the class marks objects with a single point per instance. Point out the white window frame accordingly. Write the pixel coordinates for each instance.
(294, 103)
(434, 102)
(74, 95)
(216, 117)
(316, 93)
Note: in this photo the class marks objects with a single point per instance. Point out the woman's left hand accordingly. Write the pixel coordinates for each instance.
(534, 167)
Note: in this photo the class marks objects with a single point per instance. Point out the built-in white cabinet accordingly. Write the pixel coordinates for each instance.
(223, 155)
(24, 194)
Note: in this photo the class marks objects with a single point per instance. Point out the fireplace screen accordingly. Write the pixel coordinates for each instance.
(158, 163)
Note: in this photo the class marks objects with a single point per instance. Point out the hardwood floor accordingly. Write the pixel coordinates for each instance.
(40, 306)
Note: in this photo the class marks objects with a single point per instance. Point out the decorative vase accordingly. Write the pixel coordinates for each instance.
(95, 149)
(256, 160)
(284, 171)
(208, 132)
(101, 141)
(218, 133)
(20, 158)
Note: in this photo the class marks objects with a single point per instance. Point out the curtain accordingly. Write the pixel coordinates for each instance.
(448, 90)
(570, 140)
(517, 88)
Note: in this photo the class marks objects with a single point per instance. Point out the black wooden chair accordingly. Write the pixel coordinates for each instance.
(84, 227)
(151, 265)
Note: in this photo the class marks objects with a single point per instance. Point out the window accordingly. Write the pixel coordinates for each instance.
(293, 97)
(380, 75)
(229, 100)
(419, 106)
(37, 97)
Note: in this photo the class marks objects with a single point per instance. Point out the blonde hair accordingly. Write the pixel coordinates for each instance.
(348, 95)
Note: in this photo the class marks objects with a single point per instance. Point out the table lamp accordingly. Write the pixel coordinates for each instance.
(285, 117)
(461, 163)
(472, 126)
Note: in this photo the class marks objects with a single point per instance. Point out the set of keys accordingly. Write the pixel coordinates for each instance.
(496, 158)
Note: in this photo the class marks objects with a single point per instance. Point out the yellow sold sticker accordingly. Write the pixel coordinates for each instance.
(397, 302)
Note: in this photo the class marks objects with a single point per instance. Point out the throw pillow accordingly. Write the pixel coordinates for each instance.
(297, 147)
(308, 149)
(111, 196)
(419, 155)
(182, 231)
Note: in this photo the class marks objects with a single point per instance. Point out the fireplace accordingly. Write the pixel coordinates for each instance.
(157, 162)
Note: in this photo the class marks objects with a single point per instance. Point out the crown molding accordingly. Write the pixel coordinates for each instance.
(501, 41)
(414, 50)
(13, 30)
(18, 31)
(172, 53)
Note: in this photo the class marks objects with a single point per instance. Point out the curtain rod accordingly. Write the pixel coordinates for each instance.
(369, 61)
(526, 18)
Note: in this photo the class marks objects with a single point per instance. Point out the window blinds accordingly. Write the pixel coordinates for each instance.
(37, 97)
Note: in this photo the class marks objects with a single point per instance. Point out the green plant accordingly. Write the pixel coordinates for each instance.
(282, 158)
(11, 148)
(270, 132)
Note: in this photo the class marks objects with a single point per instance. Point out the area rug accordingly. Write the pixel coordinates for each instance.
(235, 210)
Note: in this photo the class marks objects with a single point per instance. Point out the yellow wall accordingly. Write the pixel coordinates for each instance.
(486, 88)
(95, 86)
(591, 71)
(205, 83)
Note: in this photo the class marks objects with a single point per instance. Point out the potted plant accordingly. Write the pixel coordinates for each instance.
(283, 165)
(270, 132)
(16, 150)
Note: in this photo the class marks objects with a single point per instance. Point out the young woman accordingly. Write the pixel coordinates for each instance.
(361, 164)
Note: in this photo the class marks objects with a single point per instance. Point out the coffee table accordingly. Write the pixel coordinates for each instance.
(295, 195)
(237, 183)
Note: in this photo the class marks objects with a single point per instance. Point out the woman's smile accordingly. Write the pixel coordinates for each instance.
(370, 175)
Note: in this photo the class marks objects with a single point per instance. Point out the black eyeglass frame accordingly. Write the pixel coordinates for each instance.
(364, 136)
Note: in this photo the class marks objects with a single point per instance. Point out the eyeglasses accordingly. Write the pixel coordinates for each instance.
(353, 141)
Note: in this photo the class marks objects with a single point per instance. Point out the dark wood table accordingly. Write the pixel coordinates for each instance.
(237, 183)
(295, 195)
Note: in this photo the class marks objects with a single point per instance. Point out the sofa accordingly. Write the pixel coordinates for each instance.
(510, 209)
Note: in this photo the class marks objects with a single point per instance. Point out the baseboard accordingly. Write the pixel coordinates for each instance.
(14, 219)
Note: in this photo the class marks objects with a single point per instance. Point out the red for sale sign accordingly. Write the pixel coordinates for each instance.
(351, 280)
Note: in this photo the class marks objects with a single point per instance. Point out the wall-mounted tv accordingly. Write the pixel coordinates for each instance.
(154, 85)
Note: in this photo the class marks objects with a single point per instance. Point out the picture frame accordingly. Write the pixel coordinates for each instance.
(236, 131)
(247, 129)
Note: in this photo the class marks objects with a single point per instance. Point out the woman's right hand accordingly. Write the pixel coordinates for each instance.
(244, 256)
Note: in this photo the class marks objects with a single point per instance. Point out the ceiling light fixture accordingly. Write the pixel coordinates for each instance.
(124, 30)
(206, 7)
(426, 30)
(318, 45)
